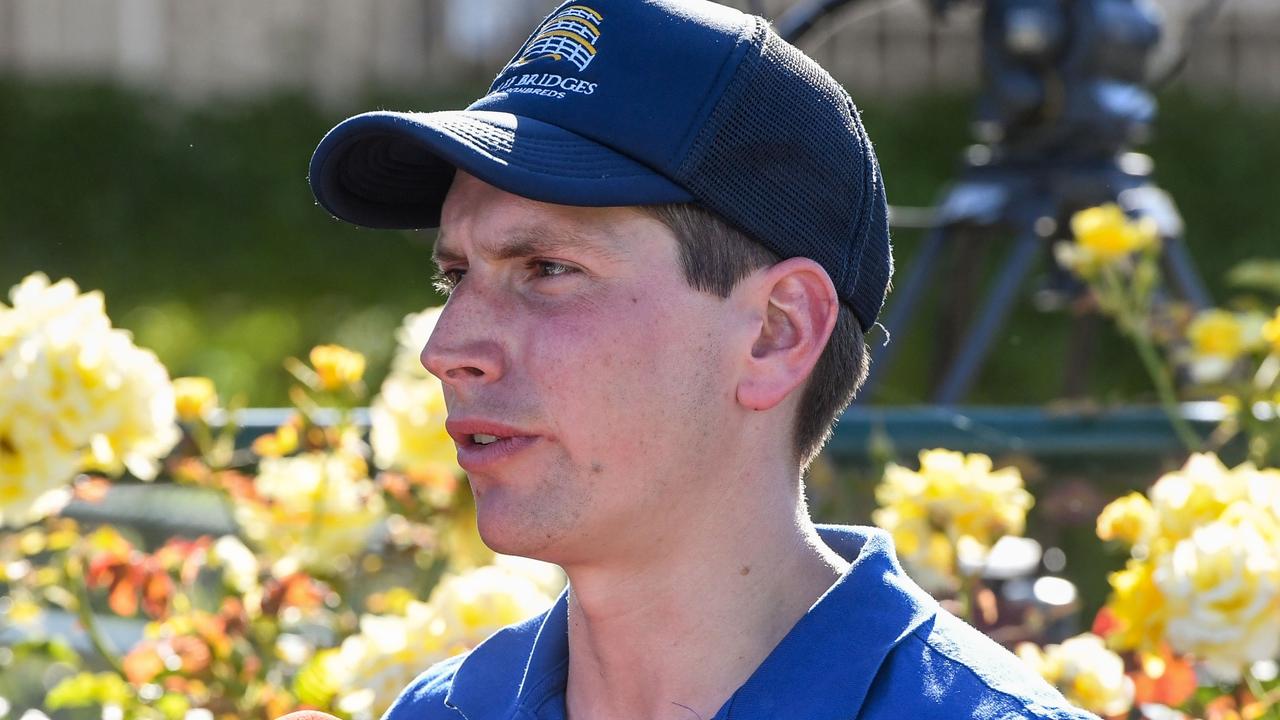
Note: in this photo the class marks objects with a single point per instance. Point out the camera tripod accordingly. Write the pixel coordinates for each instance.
(1062, 97)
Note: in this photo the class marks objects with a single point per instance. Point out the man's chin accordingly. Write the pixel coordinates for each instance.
(512, 534)
(518, 515)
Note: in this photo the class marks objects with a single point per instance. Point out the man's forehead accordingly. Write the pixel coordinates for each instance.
(595, 231)
(524, 240)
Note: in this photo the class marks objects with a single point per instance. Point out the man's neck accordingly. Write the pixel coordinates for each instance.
(674, 637)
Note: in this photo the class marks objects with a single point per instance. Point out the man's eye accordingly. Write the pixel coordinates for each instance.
(446, 280)
(551, 268)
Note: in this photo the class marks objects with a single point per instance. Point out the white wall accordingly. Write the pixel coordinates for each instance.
(209, 49)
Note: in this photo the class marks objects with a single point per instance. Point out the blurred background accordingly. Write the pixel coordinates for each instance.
(157, 150)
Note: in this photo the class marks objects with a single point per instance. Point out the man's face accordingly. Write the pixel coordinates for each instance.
(572, 337)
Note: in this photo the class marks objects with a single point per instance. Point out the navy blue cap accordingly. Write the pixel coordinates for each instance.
(642, 102)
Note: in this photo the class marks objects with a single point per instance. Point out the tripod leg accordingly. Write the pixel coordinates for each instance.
(1182, 272)
(1081, 347)
(994, 312)
(900, 310)
(960, 286)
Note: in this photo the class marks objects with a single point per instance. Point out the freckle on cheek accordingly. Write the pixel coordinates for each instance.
(597, 468)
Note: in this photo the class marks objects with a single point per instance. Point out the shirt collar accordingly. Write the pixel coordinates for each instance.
(823, 668)
(493, 682)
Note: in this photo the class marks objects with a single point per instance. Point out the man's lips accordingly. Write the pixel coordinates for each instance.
(477, 457)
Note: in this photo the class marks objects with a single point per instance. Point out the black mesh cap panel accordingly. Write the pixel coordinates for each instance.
(785, 158)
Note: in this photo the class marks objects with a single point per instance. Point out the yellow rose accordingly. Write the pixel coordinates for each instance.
(1195, 495)
(1263, 489)
(374, 665)
(548, 578)
(1088, 674)
(407, 417)
(1103, 236)
(336, 366)
(1108, 233)
(1207, 578)
(1222, 592)
(1217, 332)
(410, 339)
(33, 475)
(475, 604)
(953, 495)
(928, 554)
(1129, 519)
(1138, 607)
(194, 398)
(1218, 339)
(407, 429)
(312, 510)
(1258, 513)
(75, 394)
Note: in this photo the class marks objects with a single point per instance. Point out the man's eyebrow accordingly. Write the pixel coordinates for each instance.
(531, 242)
(441, 254)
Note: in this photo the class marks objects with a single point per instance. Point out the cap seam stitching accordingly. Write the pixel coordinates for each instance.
(698, 125)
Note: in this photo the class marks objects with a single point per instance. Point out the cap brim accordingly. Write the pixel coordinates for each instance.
(392, 170)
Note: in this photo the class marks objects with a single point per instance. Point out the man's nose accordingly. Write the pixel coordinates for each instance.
(463, 349)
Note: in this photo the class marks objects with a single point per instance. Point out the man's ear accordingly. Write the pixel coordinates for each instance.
(799, 306)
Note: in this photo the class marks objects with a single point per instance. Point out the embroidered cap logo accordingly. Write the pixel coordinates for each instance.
(570, 34)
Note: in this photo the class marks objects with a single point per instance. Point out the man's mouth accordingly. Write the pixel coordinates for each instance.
(484, 445)
(487, 452)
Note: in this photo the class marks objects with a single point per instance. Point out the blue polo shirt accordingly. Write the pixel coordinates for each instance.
(874, 647)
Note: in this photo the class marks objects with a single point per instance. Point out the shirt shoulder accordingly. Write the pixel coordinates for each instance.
(424, 698)
(948, 669)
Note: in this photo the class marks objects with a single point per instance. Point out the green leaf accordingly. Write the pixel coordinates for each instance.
(1256, 274)
(89, 689)
(52, 648)
(315, 684)
(173, 706)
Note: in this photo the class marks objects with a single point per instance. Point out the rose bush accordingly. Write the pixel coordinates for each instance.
(946, 516)
(75, 394)
(309, 604)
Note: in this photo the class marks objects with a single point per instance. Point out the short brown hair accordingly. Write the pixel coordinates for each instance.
(715, 257)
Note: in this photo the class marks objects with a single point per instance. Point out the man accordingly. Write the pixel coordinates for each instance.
(664, 234)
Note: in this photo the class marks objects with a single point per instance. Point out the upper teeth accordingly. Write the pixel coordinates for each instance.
(484, 439)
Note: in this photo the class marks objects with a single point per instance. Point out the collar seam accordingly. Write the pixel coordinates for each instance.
(1027, 704)
(538, 694)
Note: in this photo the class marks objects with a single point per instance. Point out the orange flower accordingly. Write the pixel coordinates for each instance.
(278, 444)
(296, 590)
(184, 654)
(1164, 679)
(91, 489)
(143, 663)
(130, 576)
